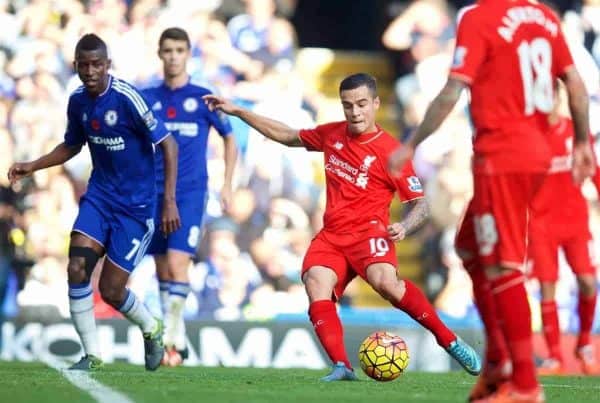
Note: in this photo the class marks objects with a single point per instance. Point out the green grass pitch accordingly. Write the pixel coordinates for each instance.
(35, 382)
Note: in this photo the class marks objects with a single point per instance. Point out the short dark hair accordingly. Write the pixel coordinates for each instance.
(176, 34)
(89, 43)
(358, 80)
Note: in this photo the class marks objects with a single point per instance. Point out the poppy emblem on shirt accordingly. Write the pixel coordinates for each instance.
(190, 105)
(110, 117)
(95, 124)
(171, 112)
(414, 184)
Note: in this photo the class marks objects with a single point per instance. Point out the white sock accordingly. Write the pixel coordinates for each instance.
(138, 313)
(163, 292)
(175, 326)
(81, 305)
(174, 320)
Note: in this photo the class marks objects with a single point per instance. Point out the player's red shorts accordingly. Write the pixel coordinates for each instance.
(494, 227)
(548, 235)
(349, 254)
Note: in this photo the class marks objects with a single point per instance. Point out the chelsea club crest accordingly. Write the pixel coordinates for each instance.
(110, 117)
(190, 105)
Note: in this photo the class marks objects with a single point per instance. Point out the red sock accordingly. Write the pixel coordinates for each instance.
(586, 308)
(416, 305)
(514, 314)
(495, 345)
(329, 330)
(551, 328)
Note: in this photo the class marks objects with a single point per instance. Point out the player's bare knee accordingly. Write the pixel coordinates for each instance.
(388, 289)
(587, 285)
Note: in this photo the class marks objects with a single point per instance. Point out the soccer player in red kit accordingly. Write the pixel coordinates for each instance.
(357, 237)
(508, 53)
(563, 224)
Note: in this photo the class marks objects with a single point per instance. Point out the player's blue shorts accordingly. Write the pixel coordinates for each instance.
(125, 237)
(191, 206)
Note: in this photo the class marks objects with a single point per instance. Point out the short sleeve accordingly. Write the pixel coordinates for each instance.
(143, 118)
(74, 134)
(561, 55)
(312, 139)
(470, 49)
(408, 184)
(220, 122)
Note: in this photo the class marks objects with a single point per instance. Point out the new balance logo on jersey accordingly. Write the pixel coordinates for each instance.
(111, 143)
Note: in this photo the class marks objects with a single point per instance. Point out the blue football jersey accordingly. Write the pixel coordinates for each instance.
(189, 120)
(120, 131)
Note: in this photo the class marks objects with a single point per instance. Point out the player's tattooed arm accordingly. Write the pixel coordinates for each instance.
(418, 214)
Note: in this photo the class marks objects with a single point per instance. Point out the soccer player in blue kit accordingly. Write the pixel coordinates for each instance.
(116, 212)
(179, 104)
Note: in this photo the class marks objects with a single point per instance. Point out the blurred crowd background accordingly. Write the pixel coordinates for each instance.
(284, 59)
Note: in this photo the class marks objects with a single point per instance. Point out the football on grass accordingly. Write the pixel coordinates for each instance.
(383, 356)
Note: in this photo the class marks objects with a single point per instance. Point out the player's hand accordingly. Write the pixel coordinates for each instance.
(396, 231)
(584, 163)
(399, 158)
(226, 195)
(170, 221)
(19, 170)
(215, 102)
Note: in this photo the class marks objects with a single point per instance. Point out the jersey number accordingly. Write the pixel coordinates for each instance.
(535, 59)
(136, 245)
(379, 246)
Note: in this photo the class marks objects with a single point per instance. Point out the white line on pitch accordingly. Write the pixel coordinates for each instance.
(82, 379)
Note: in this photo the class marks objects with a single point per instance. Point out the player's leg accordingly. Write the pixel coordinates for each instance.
(85, 249)
(501, 204)
(181, 247)
(405, 296)
(321, 271)
(175, 336)
(543, 252)
(578, 254)
(496, 353)
(127, 244)
(164, 280)
(84, 253)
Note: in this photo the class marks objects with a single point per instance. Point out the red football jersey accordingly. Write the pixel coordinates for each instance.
(510, 53)
(359, 187)
(559, 193)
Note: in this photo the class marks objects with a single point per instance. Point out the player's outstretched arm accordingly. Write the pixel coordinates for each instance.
(170, 214)
(270, 128)
(584, 163)
(61, 154)
(419, 212)
(436, 113)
